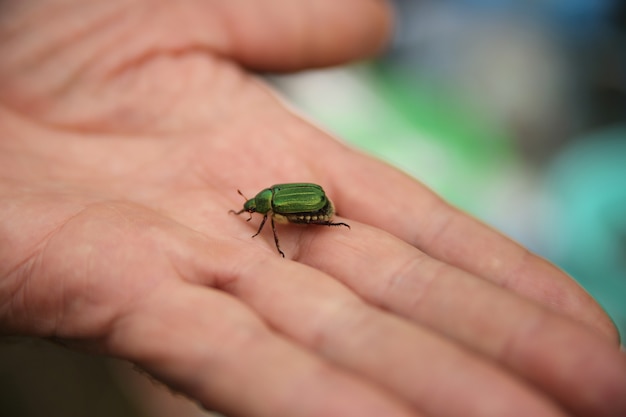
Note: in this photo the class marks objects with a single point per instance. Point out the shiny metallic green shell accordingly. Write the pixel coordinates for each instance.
(302, 203)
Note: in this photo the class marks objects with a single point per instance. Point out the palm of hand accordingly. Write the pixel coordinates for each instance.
(145, 197)
(123, 210)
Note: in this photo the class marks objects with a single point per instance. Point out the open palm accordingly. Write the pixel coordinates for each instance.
(126, 129)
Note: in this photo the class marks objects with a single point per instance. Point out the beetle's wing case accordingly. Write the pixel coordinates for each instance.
(298, 198)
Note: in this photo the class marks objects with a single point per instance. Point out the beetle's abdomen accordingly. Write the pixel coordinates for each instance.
(322, 216)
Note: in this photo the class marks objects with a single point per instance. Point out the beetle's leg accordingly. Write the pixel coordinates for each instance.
(261, 226)
(329, 223)
(276, 238)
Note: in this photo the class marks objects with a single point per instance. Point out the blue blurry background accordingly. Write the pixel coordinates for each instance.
(513, 110)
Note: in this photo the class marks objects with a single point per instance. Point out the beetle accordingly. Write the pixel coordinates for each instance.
(300, 203)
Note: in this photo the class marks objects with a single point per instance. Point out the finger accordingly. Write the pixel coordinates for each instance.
(277, 35)
(111, 47)
(427, 371)
(212, 348)
(267, 35)
(379, 195)
(585, 373)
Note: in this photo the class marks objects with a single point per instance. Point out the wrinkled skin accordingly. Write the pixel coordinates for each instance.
(126, 128)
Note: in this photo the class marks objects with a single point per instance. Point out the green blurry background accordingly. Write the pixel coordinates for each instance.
(514, 111)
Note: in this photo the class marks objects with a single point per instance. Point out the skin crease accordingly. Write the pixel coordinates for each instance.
(126, 128)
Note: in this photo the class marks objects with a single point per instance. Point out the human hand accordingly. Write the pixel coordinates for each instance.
(126, 128)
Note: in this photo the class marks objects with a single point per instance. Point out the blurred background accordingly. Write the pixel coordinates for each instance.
(513, 110)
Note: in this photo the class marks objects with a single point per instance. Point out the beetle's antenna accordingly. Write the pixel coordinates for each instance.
(243, 209)
(241, 194)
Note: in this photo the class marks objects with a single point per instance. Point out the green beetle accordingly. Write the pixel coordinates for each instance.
(299, 202)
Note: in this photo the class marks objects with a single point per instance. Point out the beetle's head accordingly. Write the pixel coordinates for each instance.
(250, 206)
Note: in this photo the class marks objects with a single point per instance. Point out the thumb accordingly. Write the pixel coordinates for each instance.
(282, 35)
